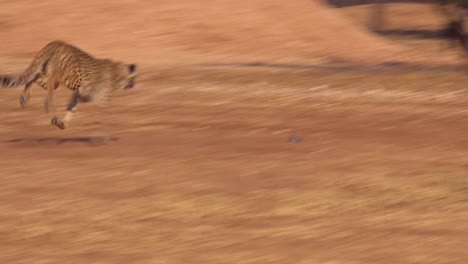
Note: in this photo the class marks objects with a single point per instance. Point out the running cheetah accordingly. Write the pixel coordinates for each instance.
(60, 63)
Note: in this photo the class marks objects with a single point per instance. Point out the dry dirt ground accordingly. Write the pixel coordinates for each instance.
(203, 168)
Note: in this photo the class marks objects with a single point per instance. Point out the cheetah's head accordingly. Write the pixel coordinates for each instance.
(124, 75)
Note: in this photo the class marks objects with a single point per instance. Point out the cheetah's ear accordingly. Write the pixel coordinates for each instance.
(132, 68)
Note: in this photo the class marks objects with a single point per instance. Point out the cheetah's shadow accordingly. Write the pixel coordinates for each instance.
(58, 140)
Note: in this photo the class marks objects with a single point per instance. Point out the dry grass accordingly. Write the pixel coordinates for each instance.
(204, 172)
(225, 228)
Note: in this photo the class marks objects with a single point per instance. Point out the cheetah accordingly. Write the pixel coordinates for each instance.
(60, 63)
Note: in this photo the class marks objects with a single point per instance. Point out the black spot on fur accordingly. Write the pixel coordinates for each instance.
(132, 68)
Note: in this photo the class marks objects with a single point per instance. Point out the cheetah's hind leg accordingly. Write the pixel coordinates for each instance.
(26, 95)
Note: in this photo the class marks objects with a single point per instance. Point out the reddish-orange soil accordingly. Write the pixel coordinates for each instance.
(282, 162)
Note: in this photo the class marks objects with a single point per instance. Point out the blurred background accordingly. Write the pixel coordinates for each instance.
(259, 131)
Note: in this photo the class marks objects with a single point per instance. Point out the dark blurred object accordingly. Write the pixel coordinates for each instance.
(454, 11)
(346, 3)
(295, 139)
(377, 20)
(455, 31)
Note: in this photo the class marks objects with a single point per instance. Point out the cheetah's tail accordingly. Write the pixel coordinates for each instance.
(29, 75)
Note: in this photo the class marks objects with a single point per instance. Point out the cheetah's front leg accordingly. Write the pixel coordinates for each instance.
(102, 132)
(71, 107)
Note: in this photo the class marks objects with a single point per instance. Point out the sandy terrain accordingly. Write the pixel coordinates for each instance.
(218, 160)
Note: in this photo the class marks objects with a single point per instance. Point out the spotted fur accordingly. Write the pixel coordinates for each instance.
(62, 64)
